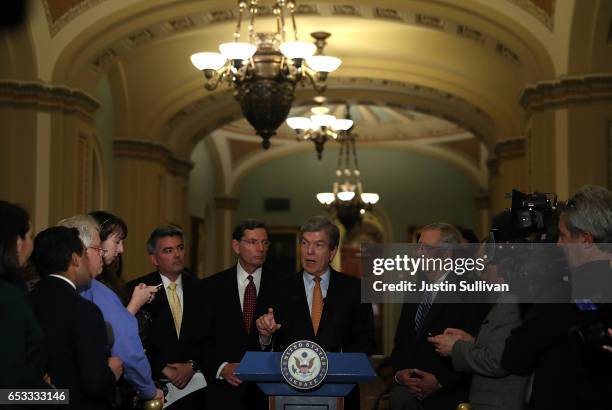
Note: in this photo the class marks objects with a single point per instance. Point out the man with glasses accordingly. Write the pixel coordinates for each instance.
(235, 298)
(175, 340)
(319, 303)
(562, 342)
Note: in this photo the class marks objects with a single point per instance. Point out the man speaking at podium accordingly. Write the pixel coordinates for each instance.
(319, 304)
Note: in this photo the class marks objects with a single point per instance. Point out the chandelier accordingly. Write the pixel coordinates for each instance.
(265, 70)
(321, 125)
(348, 199)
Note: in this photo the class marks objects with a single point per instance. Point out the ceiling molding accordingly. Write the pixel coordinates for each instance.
(543, 10)
(59, 13)
(50, 97)
(152, 151)
(180, 24)
(567, 90)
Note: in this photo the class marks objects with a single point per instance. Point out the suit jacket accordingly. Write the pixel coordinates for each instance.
(226, 338)
(76, 343)
(492, 386)
(162, 344)
(346, 324)
(412, 350)
(23, 351)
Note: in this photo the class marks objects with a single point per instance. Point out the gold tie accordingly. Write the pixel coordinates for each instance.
(175, 307)
(317, 304)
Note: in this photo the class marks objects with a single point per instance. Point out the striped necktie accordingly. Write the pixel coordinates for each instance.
(422, 310)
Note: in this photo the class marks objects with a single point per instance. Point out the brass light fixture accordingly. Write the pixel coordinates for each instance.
(321, 126)
(347, 198)
(265, 71)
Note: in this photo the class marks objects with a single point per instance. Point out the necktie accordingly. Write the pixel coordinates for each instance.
(317, 304)
(175, 307)
(248, 304)
(421, 313)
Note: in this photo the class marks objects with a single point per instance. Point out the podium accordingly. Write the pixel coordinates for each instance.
(344, 371)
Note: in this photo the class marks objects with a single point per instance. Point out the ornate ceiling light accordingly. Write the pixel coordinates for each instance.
(348, 199)
(265, 71)
(321, 125)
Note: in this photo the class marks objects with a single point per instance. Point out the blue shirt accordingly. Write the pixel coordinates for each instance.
(128, 347)
(309, 285)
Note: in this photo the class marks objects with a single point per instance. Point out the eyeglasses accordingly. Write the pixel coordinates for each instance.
(100, 251)
(254, 242)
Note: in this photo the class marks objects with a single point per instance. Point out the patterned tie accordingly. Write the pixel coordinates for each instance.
(317, 304)
(175, 307)
(250, 299)
(422, 310)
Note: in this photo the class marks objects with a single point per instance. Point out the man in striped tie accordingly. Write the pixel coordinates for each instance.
(424, 379)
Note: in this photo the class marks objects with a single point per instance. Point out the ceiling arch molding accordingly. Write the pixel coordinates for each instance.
(203, 116)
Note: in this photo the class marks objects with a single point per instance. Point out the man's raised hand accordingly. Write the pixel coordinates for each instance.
(266, 324)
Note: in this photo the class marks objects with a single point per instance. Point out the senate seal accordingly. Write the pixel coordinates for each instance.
(304, 365)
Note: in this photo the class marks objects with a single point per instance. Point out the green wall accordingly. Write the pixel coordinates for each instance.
(414, 189)
(201, 180)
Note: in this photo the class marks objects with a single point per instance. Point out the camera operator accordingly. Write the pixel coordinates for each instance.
(557, 341)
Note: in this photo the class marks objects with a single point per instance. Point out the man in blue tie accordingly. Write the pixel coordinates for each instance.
(424, 379)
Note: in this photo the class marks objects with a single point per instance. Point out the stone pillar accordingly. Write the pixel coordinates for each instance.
(224, 219)
(482, 202)
(50, 158)
(507, 170)
(568, 130)
(151, 189)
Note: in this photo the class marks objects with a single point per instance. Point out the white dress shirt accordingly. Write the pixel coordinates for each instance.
(309, 285)
(64, 278)
(179, 288)
(243, 281)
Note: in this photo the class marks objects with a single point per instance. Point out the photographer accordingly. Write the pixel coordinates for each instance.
(555, 340)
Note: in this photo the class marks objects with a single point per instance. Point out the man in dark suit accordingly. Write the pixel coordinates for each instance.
(320, 304)
(426, 380)
(175, 339)
(74, 328)
(234, 299)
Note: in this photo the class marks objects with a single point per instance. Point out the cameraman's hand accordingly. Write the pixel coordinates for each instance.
(606, 347)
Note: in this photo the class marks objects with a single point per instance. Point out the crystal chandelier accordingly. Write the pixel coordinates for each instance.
(265, 71)
(348, 199)
(321, 125)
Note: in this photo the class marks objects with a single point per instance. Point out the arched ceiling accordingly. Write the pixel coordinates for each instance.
(473, 50)
(418, 73)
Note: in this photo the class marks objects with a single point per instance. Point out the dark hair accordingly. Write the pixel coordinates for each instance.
(321, 223)
(14, 222)
(162, 232)
(53, 249)
(109, 224)
(249, 224)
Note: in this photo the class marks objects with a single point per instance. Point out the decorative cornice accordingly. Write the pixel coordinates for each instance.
(545, 17)
(506, 149)
(567, 91)
(226, 203)
(511, 148)
(49, 97)
(153, 151)
(174, 24)
(56, 23)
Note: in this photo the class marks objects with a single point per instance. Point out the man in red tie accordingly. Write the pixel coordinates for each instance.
(235, 298)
